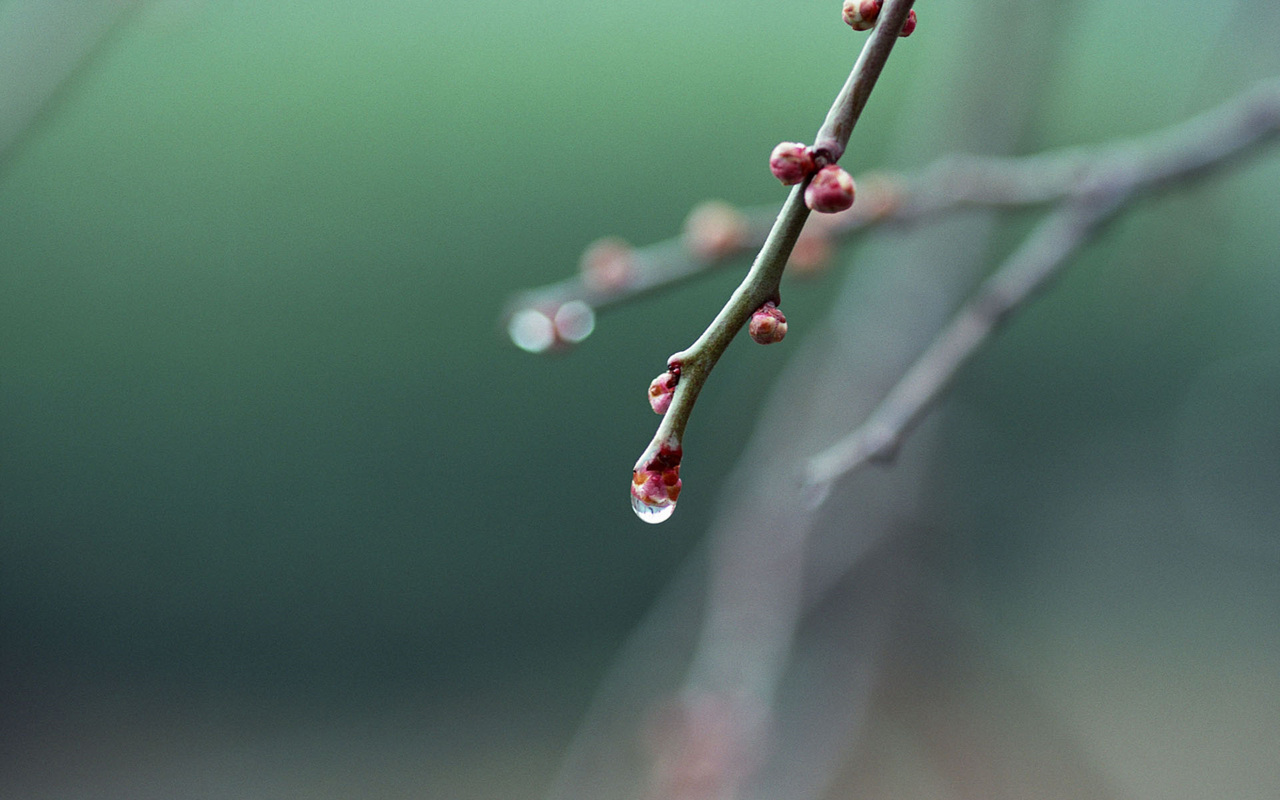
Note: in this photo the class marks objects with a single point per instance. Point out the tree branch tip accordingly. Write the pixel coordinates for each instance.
(885, 456)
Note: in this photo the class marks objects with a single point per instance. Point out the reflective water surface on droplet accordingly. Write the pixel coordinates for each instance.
(653, 513)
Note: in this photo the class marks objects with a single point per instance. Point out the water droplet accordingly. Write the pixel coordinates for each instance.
(652, 513)
(575, 320)
(531, 330)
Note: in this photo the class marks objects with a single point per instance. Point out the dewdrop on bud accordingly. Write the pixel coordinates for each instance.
(910, 25)
(716, 230)
(655, 485)
(768, 324)
(861, 14)
(791, 162)
(608, 264)
(662, 389)
(830, 191)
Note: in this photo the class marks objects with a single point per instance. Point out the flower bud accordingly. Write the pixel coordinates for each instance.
(791, 162)
(910, 25)
(861, 14)
(661, 390)
(608, 264)
(768, 325)
(830, 191)
(715, 230)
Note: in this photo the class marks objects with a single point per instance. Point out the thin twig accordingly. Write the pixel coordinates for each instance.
(761, 283)
(1101, 190)
(1037, 260)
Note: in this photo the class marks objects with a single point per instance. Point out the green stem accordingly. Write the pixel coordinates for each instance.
(762, 281)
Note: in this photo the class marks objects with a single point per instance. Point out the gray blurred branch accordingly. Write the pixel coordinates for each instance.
(43, 46)
(1093, 186)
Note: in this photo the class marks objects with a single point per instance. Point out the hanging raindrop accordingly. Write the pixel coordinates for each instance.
(654, 489)
(652, 512)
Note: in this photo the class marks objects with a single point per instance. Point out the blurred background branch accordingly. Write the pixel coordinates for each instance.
(43, 44)
(1097, 185)
(779, 569)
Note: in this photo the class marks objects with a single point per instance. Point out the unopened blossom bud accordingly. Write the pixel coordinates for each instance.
(608, 264)
(830, 191)
(768, 324)
(715, 230)
(655, 485)
(791, 162)
(661, 390)
(910, 25)
(861, 14)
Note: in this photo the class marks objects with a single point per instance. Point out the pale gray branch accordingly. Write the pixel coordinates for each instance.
(1095, 187)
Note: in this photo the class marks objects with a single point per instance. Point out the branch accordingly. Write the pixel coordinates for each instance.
(655, 478)
(1097, 186)
(950, 184)
(1039, 258)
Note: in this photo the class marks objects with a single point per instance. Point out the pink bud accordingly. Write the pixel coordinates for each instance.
(791, 162)
(768, 325)
(830, 191)
(861, 14)
(910, 24)
(608, 264)
(715, 230)
(661, 390)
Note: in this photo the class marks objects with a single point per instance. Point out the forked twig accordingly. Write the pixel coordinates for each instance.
(1101, 185)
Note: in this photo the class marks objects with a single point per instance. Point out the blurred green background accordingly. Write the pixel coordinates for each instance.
(266, 457)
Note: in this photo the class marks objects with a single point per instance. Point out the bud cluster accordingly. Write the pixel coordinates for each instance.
(831, 189)
(861, 15)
